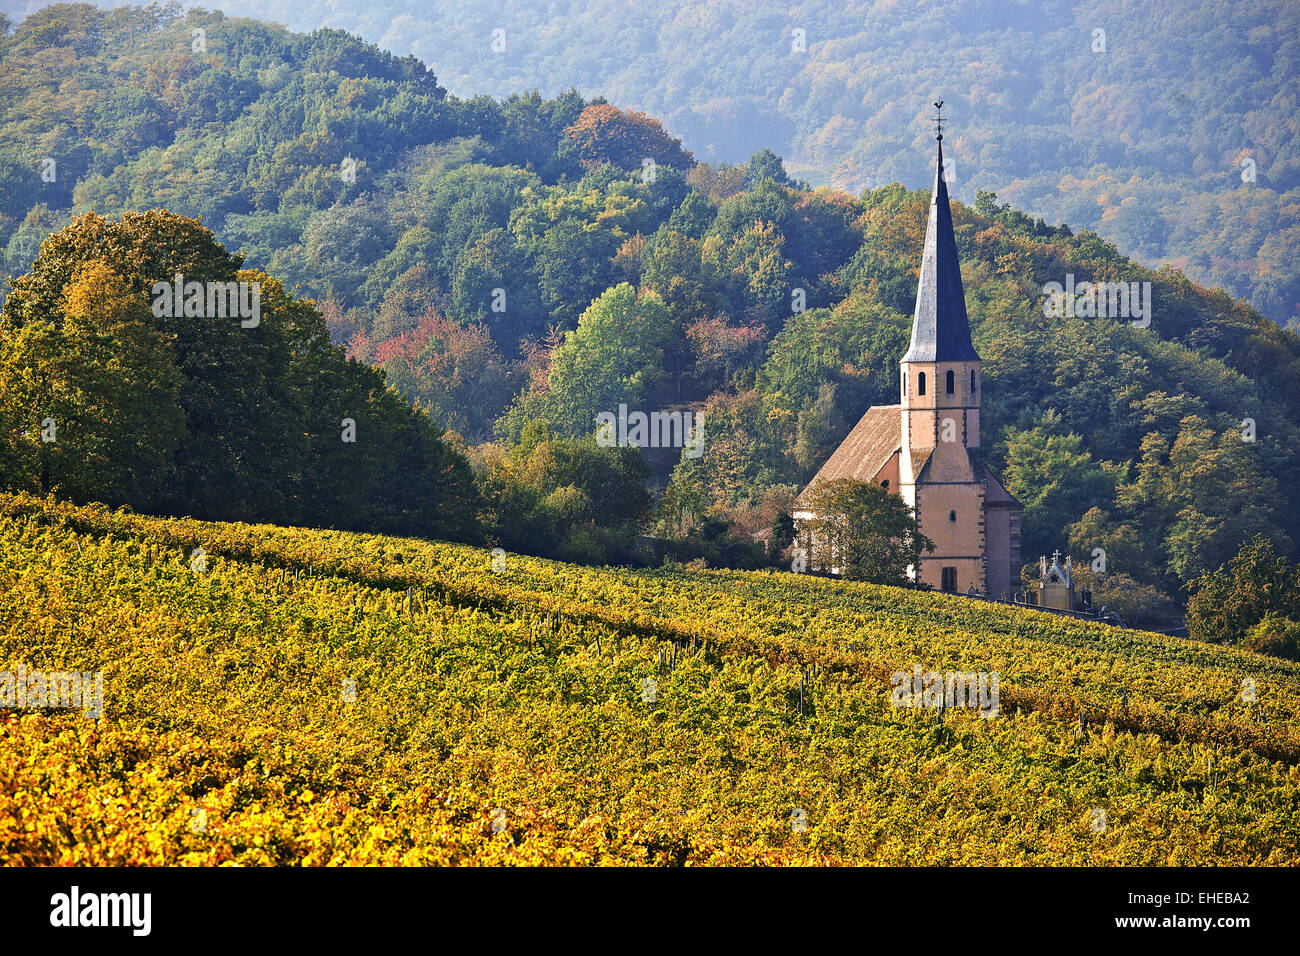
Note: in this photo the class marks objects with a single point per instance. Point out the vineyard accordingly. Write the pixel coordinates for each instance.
(278, 696)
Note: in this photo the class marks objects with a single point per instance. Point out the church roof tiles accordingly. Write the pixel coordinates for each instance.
(866, 449)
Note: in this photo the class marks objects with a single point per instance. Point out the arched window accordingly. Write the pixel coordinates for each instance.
(920, 384)
(952, 381)
(952, 516)
(885, 484)
(972, 381)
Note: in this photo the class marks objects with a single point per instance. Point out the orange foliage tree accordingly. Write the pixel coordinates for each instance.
(624, 138)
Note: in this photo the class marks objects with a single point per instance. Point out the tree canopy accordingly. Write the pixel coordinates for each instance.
(105, 396)
(865, 531)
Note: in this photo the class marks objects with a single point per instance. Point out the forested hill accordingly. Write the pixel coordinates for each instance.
(518, 266)
(1143, 141)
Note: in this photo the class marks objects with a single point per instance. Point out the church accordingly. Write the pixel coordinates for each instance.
(927, 448)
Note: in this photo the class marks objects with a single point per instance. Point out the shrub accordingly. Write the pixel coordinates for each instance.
(1275, 636)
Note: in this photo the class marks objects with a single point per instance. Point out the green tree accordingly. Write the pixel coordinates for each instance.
(89, 402)
(512, 314)
(238, 412)
(613, 357)
(672, 266)
(866, 532)
(1257, 582)
(1275, 636)
(759, 274)
(765, 164)
(562, 497)
(250, 409)
(1055, 479)
(1204, 494)
(684, 501)
(571, 237)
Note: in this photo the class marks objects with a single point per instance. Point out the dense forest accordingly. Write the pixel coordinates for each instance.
(105, 398)
(516, 266)
(1168, 128)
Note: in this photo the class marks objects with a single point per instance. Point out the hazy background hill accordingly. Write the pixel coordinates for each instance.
(1142, 142)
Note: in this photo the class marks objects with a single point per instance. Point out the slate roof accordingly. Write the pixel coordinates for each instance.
(867, 449)
(940, 328)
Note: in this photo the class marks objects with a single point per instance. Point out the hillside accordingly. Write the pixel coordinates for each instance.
(512, 701)
(1143, 141)
(510, 265)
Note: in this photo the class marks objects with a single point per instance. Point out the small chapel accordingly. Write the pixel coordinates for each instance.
(927, 447)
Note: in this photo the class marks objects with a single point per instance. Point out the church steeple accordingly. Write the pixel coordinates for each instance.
(930, 453)
(940, 329)
(940, 374)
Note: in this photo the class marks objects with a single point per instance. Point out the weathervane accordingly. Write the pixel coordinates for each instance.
(938, 121)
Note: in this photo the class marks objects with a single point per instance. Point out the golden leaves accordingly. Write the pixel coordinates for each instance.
(499, 719)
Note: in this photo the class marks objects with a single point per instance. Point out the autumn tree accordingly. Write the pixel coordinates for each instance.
(605, 134)
(720, 348)
(452, 371)
(89, 397)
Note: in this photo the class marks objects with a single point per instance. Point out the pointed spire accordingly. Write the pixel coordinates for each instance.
(940, 329)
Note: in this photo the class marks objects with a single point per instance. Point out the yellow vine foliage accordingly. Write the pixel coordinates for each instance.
(305, 697)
